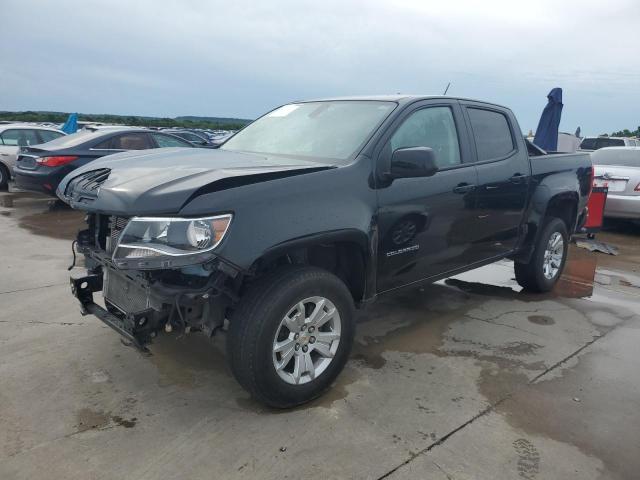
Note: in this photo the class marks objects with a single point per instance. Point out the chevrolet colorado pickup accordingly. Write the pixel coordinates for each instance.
(314, 209)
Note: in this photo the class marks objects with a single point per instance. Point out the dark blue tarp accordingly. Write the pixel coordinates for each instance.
(71, 125)
(547, 131)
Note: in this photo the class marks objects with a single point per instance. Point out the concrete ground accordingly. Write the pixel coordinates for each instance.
(467, 378)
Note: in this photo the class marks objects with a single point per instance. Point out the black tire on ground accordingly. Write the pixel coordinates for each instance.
(531, 275)
(255, 323)
(4, 177)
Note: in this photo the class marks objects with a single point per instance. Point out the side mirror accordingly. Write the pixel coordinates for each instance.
(413, 162)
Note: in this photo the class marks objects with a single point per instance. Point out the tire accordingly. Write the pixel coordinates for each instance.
(532, 276)
(259, 321)
(4, 177)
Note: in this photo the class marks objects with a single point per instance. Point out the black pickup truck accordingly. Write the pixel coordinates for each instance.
(312, 210)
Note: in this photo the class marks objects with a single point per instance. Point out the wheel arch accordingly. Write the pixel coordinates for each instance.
(345, 253)
(562, 205)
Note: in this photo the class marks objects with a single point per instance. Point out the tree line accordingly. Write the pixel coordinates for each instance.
(627, 133)
(59, 117)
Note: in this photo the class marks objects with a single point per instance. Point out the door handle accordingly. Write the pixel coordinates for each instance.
(517, 178)
(463, 188)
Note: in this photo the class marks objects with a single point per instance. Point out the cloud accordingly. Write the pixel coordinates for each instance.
(170, 57)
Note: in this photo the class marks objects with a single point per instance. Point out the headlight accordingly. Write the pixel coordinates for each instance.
(149, 238)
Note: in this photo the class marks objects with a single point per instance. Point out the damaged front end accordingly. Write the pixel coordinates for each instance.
(155, 274)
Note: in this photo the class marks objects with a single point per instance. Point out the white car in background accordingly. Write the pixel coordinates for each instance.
(16, 135)
(591, 144)
(618, 168)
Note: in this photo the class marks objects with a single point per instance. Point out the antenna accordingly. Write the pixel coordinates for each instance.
(446, 89)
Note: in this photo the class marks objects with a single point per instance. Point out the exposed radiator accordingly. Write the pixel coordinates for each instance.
(125, 294)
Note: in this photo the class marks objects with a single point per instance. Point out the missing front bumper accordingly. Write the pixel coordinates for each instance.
(137, 327)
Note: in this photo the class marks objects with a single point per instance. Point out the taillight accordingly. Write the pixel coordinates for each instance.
(637, 189)
(56, 161)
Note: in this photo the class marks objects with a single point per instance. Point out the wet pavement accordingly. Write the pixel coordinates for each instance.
(466, 378)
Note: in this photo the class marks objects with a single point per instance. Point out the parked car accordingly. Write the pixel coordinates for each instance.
(40, 168)
(220, 139)
(14, 136)
(198, 140)
(314, 209)
(591, 144)
(619, 170)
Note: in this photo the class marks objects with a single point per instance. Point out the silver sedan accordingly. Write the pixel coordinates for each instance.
(16, 135)
(618, 168)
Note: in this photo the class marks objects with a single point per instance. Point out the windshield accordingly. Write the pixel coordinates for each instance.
(333, 130)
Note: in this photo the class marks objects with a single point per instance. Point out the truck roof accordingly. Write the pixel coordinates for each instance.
(399, 98)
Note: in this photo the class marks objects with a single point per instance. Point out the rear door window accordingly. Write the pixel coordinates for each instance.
(131, 141)
(20, 137)
(491, 133)
(48, 135)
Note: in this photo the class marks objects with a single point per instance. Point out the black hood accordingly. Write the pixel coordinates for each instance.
(162, 181)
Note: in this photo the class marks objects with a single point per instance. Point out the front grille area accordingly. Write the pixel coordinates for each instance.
(85, 187)
(124, 293)
(116, 227)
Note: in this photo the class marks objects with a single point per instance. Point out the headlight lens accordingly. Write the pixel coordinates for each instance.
(146, 237)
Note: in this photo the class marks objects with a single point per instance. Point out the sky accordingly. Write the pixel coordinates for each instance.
(238, 58)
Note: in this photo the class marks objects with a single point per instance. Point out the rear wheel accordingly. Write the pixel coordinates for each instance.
(4, 177)
(548, 259)
(291, 335)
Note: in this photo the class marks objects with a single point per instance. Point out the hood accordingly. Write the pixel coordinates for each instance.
(162, 181)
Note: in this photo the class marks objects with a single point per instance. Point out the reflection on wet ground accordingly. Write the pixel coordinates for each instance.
(427, 362)
(41, 215)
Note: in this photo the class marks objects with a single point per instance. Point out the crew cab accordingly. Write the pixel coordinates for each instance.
(311, 211)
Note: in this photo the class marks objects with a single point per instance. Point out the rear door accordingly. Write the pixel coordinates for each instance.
(504, 176)
(422, 222)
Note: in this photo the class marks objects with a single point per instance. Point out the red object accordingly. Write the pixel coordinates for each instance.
(596, 204)
(56, 161)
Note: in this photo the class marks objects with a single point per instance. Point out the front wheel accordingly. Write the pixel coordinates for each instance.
(548, 259)
(291, 335)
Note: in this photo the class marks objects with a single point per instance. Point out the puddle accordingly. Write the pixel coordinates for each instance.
(591, 407)
(541, 319)
(38, 215)
(88, 419)
(425, 315)
(62, 224)
(186, 360)
(337, 392)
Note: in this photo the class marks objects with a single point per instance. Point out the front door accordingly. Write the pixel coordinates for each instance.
(423, 221)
